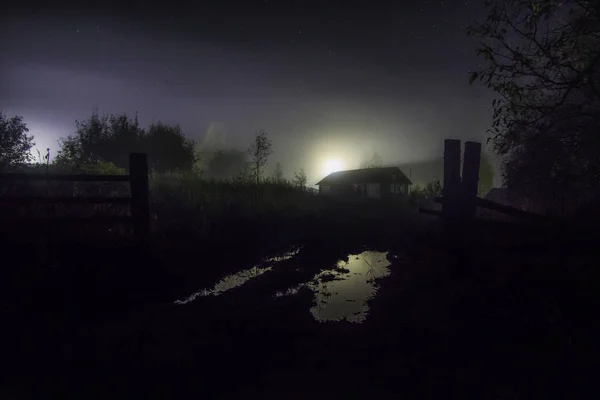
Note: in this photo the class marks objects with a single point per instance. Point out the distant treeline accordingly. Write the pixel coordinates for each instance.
(102, 143)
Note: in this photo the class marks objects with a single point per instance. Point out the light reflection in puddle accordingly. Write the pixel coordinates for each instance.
(342, 293)
(240, 278)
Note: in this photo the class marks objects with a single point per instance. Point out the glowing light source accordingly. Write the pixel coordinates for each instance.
(332, 166)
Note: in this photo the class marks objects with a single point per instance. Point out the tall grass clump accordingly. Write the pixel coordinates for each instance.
(188, 203)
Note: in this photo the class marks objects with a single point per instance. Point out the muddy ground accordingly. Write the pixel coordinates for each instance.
(508, 312)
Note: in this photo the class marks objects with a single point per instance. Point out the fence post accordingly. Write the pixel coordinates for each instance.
(451, 208)
(452, 182)
(470, 178)
(140, 204)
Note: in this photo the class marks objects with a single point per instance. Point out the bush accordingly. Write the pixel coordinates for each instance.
(424, 197)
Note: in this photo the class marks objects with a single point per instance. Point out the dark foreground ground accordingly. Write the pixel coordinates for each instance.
(508, 313)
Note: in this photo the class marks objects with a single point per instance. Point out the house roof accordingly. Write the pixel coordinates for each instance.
(365, 175)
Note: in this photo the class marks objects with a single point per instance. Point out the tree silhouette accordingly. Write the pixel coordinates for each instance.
(168, 149)
(259, 150)
(15, 144)
(112, 138)
(106, 138)
(543, 60)
(300, 179)
(542, 178)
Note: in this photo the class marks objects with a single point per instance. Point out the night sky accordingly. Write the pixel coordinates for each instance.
(325, 79)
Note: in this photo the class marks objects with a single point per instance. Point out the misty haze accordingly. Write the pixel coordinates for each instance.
(299, 198)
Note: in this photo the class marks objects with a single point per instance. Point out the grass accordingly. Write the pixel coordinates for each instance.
(184, 205)
(181, 204)
(523, 305)
(201, 229)
(207, 207)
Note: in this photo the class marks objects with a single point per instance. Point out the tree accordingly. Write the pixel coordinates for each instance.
(278, 173)
(426, 195)
(168, 149)
(300, 179)
(106, 138)
(15, 144)
(542, 59)
(546, 182)
(433, 189)
(259, 150)
(374, 162)
(112, 138)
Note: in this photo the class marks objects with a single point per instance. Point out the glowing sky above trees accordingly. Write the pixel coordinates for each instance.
(342, 78)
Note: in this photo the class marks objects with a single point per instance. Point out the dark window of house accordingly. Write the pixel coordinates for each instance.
(394, 177)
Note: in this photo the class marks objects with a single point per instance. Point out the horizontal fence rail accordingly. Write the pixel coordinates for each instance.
(64, 177)
(68, 200)
(95, 220)
(138, 201)
(459, 196)
(504, 209)
(437, 213)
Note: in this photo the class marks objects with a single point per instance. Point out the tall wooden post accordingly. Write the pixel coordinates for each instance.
(452, 182)
(470, 178)
(140, 204)
(451, 206)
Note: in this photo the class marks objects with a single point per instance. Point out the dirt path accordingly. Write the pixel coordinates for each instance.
(517, 324)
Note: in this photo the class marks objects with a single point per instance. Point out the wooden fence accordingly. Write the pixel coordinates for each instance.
(138, 201)
(459, 196)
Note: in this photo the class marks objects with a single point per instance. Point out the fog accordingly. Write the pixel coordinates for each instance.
(320, 100)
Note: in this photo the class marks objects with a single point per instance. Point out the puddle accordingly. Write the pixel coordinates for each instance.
(283, 257)
(342, 292)
(240, 278)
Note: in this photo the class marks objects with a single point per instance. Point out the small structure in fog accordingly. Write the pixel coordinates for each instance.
(504, 197)
(374, 183)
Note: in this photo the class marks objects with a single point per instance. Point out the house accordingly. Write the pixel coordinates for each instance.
(373, 183)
